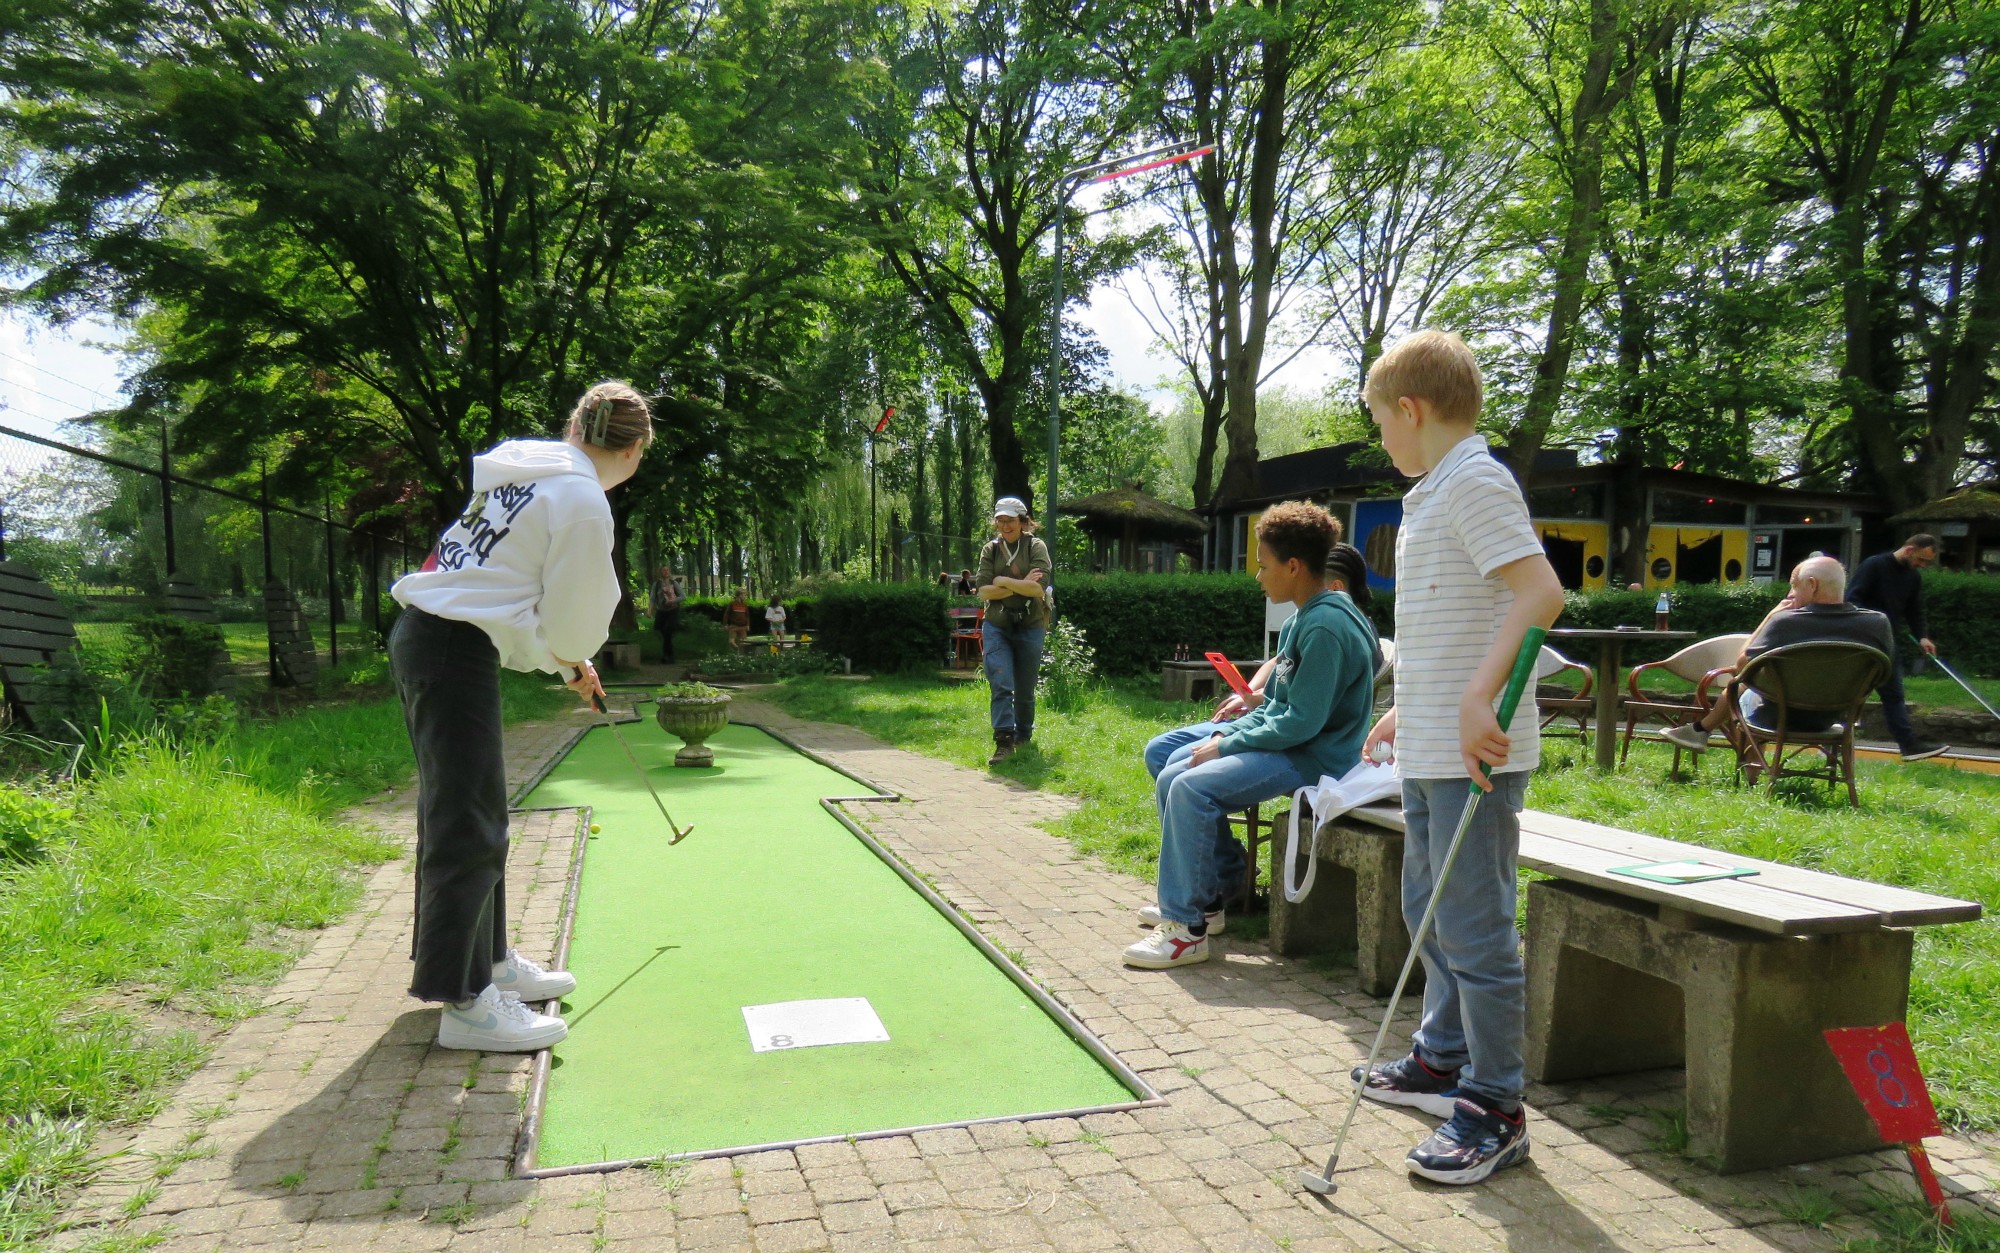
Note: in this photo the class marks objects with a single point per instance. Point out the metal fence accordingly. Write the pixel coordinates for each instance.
(116, 537)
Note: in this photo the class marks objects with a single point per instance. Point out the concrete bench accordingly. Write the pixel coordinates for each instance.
(1615, 964)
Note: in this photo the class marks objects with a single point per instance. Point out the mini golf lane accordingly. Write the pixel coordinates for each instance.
(769, 900)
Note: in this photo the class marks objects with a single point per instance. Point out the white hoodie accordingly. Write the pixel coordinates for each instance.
(529, 561)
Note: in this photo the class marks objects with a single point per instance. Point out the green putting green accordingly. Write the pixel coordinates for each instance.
(769, 900)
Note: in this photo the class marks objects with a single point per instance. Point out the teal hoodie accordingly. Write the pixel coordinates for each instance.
(1321, 696)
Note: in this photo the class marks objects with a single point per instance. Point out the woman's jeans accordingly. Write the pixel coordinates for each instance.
(1013, 658)
(1475, 1007)
(448, 674)
(1201, 863)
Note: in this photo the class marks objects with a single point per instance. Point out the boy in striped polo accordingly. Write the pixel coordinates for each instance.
(1471, 579)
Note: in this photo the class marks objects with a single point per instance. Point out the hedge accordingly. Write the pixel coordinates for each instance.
(801, 613)
(883, 626)
(1135, 621)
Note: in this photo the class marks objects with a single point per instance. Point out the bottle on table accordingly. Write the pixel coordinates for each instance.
(1660, 612)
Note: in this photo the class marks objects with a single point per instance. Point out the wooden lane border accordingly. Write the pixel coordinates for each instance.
(527, 1141)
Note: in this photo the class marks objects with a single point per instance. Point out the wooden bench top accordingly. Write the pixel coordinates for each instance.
(1778, 899)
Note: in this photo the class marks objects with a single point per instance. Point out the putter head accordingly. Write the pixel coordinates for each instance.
(1313, 1181)
(679, 835)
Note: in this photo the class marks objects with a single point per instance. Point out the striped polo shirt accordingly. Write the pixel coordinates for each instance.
(1461, 523)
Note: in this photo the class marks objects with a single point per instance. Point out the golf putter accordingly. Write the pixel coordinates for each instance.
(1517, 682)
(1967, 686)
(597, 703)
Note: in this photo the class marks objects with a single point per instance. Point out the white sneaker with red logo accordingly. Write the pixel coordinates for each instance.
(1171, 944)
(1149, 916)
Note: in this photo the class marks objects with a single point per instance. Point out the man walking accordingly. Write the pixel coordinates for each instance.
(1893, 584)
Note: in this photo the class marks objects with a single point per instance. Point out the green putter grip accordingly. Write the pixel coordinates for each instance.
(1517, 683)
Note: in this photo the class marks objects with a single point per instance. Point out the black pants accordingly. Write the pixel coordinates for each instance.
(448, 674)
(666, 624)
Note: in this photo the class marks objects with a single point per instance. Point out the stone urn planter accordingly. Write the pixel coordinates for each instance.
(691, 712)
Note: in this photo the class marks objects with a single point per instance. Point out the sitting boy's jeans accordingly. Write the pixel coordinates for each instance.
(1475, 990)
(1758, 713)
(1200, 861)
(1165, 744)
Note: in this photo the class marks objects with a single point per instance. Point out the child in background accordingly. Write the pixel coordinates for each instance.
(774, 619)
(736, 619)
(1471, 579)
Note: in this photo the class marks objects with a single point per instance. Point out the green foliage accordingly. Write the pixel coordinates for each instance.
(174, 883)
(688, 691)
(29, 823)
(175, 656)
(1961, 610)
(1136, 620)
(884, 626)
(752, 661)
(801, 612)
(1069, 667)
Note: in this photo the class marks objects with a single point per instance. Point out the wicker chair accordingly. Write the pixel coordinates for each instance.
(1575, 705)
(1704, 664)
(1832, 678)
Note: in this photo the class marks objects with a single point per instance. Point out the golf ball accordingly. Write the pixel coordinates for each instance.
(1378, 754)
(594, 828)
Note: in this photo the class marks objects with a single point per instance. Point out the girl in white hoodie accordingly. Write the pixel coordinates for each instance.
(522, 579)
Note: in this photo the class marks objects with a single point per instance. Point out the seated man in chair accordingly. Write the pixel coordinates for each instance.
(1814, 611)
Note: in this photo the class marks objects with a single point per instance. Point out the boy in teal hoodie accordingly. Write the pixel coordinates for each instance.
(1316, 710)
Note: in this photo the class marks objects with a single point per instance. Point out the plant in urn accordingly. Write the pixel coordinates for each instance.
(691, 712)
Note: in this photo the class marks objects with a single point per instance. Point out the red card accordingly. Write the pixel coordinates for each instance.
(1230, 674)
(1883, 1069)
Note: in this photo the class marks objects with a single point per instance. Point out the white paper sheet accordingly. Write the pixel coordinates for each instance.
(811, 1024)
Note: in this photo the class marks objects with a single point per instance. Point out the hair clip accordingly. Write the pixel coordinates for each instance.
(600, 423)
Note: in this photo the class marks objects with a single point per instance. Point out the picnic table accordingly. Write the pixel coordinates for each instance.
(1609, 644)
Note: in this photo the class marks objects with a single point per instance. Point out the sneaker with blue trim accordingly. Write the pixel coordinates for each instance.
(528, 980)
(1476, 1142)
(497, 1022)
(1411, 1081)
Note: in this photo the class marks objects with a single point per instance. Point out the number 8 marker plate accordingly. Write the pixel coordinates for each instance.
(811, 1024)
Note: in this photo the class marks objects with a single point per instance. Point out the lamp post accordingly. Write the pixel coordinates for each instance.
(1096, 172)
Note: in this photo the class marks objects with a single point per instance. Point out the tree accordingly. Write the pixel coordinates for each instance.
(966, 174)
(1252, 79)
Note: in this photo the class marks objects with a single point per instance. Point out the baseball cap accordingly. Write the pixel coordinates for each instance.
(1009, 507)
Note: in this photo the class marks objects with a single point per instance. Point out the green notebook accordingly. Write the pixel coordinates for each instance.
(1683, 871)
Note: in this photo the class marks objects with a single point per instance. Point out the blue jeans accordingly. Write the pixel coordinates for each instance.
(1200, 861)
(1895, 707)
(1013, 658)
(1475, 991)
(1165, 744)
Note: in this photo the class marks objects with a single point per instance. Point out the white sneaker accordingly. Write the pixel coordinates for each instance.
(1688, 736)
(527, 980)
(1171, 944)
(497, 1022)
(1149, 916)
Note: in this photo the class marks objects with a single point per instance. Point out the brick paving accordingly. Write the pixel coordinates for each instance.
(332, 1121)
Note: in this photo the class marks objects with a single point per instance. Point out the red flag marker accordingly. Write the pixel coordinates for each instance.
(1882, 1066)
(888, 413)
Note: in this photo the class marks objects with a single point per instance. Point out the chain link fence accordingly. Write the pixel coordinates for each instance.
(117, 539)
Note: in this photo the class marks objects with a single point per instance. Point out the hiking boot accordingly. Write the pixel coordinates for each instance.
(1411, 1081)
(1924, 749)
(529, 981)
(1475, 1143)
(1689, 736)
(497, 1022)
(1149, 916)
(1003, 748)
(1170, 945)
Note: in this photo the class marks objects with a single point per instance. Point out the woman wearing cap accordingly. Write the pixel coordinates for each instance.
(1013, 581)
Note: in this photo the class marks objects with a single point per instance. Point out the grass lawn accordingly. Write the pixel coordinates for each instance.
(190, 877)
(1924, 827)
